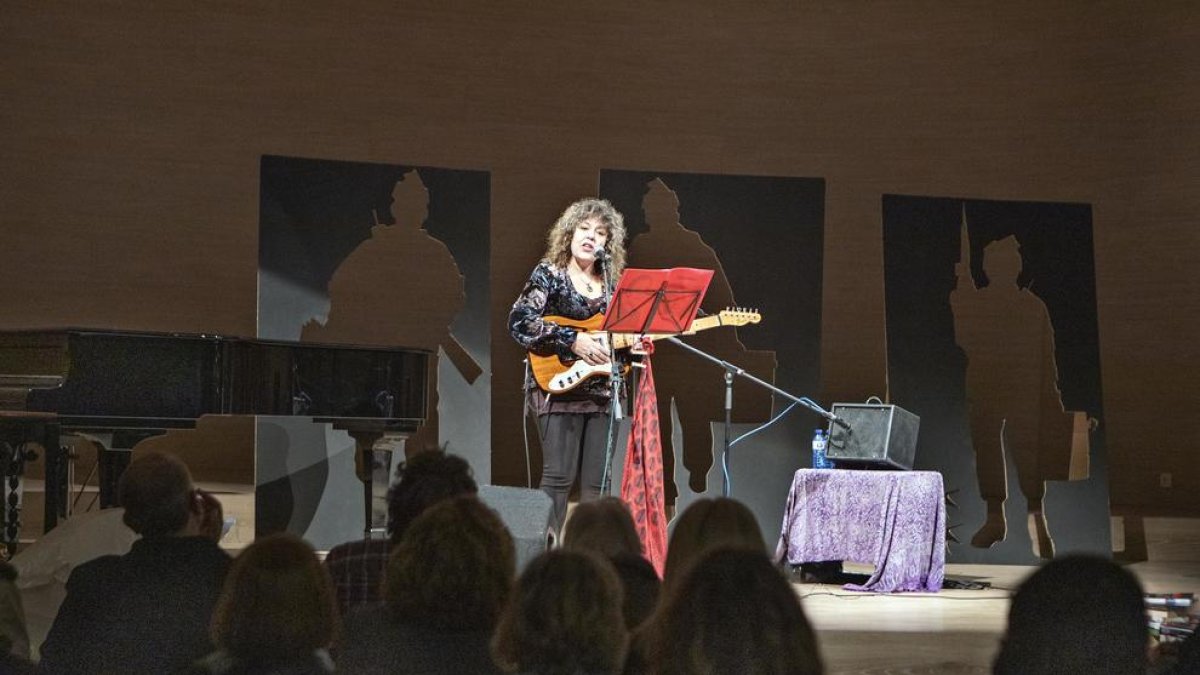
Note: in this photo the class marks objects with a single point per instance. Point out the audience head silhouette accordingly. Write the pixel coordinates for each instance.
(705, 525)
(277, 604)
(565, 617)
(453, 569)
(1077, 614)
(425, 479)
(157, 493)
(603, 526)
(733, 612)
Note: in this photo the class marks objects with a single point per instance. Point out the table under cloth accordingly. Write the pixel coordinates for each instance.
(895, 519)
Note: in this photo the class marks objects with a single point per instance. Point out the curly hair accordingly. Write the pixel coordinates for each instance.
(558, 240)
(156, 490)
(603, 526)
(427, 478)
(564, 618)
(277, 602)
(453, 569)
(705, 525)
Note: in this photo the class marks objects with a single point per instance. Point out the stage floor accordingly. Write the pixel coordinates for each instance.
(954, 631)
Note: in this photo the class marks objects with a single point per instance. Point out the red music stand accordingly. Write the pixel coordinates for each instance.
(656, 301)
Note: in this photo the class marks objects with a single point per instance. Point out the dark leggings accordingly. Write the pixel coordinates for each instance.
(568, 438)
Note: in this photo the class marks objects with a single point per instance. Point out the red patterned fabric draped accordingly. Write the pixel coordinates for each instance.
(642, 483)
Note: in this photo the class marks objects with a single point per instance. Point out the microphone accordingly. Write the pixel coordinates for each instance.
(601, 255)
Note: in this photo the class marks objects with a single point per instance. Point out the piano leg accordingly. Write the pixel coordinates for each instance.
(365, 467)
(12, 459)
(55, 467)
(373, 464)
(16, 435)
(111, 464)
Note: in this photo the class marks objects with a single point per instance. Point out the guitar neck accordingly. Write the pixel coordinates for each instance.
(622, 340)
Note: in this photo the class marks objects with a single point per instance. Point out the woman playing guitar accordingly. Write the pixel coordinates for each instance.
(569, 283)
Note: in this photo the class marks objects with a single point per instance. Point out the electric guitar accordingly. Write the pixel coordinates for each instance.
(554, 375)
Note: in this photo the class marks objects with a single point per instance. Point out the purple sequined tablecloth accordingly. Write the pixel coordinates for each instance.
(894, 519)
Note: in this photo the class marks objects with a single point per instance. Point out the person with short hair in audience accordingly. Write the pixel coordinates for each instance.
(1076, 614)
(563, 619)
(146, 611)
(358, 567)
(276, 613)
(605, 527)
(733, 612)
(447, 581)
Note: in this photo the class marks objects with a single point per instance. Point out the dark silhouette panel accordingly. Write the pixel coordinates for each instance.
(992, 366)
(377, 254)
(1013, 399)
(763, 236)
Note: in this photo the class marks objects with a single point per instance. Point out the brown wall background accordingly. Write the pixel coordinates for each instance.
(132, 136)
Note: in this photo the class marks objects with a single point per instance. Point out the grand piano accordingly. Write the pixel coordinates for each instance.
(128, 386)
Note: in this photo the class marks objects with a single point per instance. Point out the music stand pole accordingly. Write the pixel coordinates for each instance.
(614, 391)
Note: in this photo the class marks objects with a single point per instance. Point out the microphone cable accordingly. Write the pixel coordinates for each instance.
(755, 430)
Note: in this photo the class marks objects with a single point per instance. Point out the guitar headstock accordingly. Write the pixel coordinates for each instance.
(738, 316)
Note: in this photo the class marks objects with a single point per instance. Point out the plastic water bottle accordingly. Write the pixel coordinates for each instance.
(819, 442)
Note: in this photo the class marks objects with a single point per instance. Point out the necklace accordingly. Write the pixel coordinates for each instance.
(587, 283)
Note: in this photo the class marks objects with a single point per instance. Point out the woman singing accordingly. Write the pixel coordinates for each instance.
(569, 283)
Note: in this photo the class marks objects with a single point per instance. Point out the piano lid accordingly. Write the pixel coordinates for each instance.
(101, 378)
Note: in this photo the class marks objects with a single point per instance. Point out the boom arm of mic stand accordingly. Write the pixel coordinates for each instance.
(729, 367)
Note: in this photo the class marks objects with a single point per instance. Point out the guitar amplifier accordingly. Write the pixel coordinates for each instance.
(880, 436)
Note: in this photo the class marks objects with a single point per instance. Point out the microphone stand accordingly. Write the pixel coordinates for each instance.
(730, 371)
(614, 381)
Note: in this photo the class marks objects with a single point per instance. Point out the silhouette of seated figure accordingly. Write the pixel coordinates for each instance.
(1014, 404)
(696, 386)
(401, 287)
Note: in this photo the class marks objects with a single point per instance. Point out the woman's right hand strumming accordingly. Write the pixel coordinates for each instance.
(590, 348)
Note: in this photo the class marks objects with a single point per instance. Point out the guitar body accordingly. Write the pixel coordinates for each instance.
(555, 376)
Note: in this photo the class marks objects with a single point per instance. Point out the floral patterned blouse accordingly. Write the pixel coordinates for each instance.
(549, 291)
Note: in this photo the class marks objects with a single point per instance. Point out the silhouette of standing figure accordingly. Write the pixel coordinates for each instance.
(1014, 404)
(401, 287)
(696, 386)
